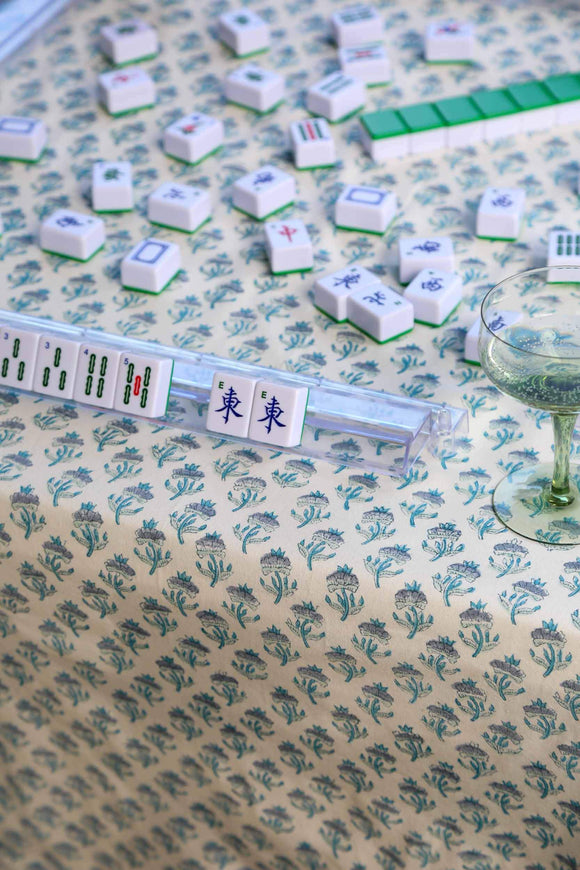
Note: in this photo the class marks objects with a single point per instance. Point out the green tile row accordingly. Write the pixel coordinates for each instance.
(479, 106)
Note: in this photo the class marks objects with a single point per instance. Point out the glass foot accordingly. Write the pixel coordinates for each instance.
(522, 502)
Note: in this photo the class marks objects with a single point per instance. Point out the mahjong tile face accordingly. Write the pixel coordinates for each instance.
(56, 365)
(143, 385)
(18, 353)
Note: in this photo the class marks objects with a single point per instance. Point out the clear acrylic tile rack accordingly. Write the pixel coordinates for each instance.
(351, 426)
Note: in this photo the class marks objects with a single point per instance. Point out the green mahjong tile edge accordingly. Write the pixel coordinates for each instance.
(152, 292)
(318, 166)
(293, 271)
(343, 117)
(193, 162)
(358, 230)
(113, 210)
(443, 322)
(76, 259)
(304, 417)
(129, 111)
(565, 88)
(24, 159)
(382, 133)
(266, 216)
(257, 111)
(376, 340)
(142, 59)
(497, 238)
(447, 62)
(326, 314)
(179, 229)
(169, 388)
(255, 53)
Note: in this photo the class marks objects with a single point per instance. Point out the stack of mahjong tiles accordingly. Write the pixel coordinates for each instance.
(484, 115)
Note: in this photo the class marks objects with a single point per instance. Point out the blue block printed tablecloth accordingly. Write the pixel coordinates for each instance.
(216, 657)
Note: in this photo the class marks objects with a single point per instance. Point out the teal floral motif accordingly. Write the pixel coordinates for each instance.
(276, 566)
(412, 601)
(212, 546)
(343, 584)
(551, 642)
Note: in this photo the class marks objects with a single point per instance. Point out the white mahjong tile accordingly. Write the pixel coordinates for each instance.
(193, 137)
(496, 320)
(312, 143)
(230, 404)
(254, 87)
(143, 384)
(278, 413)
(112, 188)
(264, 191)
(21, 138)
(500, 212)
(449, 41)
(355, 24)
(129, 40)
(56, 366)
(288, 246)
(415, 254)
(18, 352)
(96, 376)
(332, 291)
(243, 31)
(380, 312)
(563, 251)
(434, 294)
(370, 209)
(179, 206)
(126, 90)
(368, 62)
(72, 234)
(336, 96)
(150, 265)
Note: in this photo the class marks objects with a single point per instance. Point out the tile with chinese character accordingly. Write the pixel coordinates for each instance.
(263, 192)
(336, 96)
(380, 312)
(112, 188)
(312, 144)
(128, 41)
(143, 384)
(369, 209)
(254, 88)
(244, 31)
(193, 137)
(126, 90)
(72, 234)
(332, 291)
(179, 206)
(21, 138)
(288, 246)
(416, 253)
(500, 213)
(278, 414)
(434, 294)
(150, 266)
(230, 404)
(496, 320)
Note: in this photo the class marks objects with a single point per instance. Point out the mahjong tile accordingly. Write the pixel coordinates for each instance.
(143, 384)
(56, 366)
(96, 376)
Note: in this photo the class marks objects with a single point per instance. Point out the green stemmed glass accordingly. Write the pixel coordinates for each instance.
(529, 346)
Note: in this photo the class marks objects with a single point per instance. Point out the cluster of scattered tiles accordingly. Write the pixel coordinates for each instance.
(483, 115)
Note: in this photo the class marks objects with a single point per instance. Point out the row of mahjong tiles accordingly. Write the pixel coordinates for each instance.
(106, 377)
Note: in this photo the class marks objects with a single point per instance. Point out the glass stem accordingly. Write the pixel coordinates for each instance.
(560, 494)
